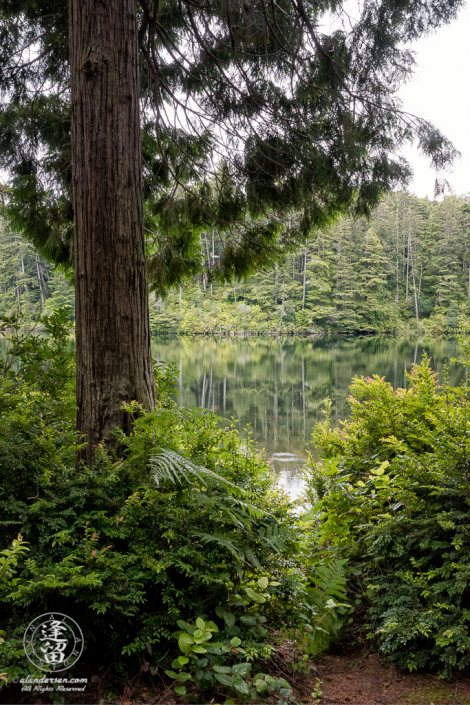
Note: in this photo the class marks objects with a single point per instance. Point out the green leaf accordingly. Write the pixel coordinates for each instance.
(200, 624)
(248, 620)
(180, 689)
(263, 582)
(380, 470)
(171, 674)
(198, 649)
(222, 669)
(185, 643)
(223, 678)
(255, 596)
(183, 660)
(229, 618)
(241, 668)
(235, 642)
(241, 686)
(285, 692)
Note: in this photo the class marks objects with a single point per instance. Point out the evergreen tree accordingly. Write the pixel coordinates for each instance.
(307, 127)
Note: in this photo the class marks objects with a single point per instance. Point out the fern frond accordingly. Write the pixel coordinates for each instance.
(328, 605)
(223, 540)
(169, 466)
(242, 553)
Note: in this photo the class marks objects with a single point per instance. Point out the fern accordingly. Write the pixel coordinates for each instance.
(330, 580)
(241, 552)
(169, 466)
(328, 606)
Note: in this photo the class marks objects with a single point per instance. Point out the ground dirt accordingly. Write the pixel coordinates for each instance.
(357, 677)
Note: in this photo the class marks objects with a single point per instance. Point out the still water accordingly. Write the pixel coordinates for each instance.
(276, 387)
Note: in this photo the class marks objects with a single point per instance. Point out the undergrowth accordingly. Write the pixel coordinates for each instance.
(391, 496)
(186, 526)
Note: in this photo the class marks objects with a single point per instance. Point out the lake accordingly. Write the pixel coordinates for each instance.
(276, 387)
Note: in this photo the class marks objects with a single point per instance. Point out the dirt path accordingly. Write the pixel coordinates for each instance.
(355, 678)
(361, 679)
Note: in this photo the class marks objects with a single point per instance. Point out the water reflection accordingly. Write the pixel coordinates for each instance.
(277, 387)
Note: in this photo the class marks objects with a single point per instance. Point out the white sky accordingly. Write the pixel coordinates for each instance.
(440, 92)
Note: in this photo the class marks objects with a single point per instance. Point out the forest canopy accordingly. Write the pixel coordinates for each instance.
(407, 266)
(261, 121)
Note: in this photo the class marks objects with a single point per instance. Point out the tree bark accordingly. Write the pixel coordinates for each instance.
(397, 295)
(304, 283)
(275, 284)
(114, 363)
(39, 280)
(410, 255)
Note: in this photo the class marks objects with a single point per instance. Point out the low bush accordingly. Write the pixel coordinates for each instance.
(391, 495)
(186, 523)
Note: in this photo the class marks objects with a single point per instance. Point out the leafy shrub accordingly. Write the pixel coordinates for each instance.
(188, 522)
(391, 494)
(208, 663)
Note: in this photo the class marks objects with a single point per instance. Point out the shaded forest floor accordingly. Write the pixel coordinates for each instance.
(355, 677)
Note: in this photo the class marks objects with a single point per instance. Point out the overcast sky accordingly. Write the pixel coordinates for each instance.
(440, 92)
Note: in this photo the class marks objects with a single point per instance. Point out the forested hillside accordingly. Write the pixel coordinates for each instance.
(408, 267)
(27, 282)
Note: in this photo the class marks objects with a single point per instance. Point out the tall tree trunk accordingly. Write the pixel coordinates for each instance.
(208, 260)
(304, 285)
(114, 362)
(403, 253)
(407, 266)
(213, 256)
(24, 281)
(397, 295)
(46, 290)
(39, 280)
(303, 392)
(410, 255)
(275, 284)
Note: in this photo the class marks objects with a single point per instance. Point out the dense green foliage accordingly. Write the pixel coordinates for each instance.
(185, 522)
(255, 122)
(392, 495)
(407, 267)
(27, 283)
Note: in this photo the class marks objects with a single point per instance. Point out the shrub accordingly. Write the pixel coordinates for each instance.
(188, 522)
(391, 494)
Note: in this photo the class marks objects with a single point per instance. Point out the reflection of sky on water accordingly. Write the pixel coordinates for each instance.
(289, 468)
(277, 387)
